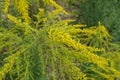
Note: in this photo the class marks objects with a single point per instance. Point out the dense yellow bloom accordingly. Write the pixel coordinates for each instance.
(102, 29)
(66, 38)
(22, 6)
(69, 20)
(79, 25)
(84, 31)
(8, 66)
(58, 7)
(14, 19)
(69, 56)
(7, 2)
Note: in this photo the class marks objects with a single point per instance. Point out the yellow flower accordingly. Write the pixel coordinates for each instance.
(12, 18)
(7, 2)
(80, 25)
(58, 7)
(22, 7)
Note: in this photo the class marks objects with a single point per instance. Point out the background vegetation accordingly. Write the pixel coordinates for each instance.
(39, 41)
(92, 11)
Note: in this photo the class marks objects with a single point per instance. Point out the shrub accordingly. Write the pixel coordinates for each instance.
(52, 49)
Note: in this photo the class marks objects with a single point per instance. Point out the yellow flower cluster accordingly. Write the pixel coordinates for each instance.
(102, 29)
(22, 6)
(14, 19)
(41, 11)
(18, 22)
(85, 31)
(117, 73)
(7, 67)
(100, 61)
(108, 77)
(66, 38)
(79, 25)
(58, 7)
(74, 72)
(66, 22)
(100, 38)
(7, 2)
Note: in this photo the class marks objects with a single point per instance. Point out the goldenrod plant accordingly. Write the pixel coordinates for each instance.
(50, 48)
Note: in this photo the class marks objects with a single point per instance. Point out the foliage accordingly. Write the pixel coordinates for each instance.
(52, 49)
